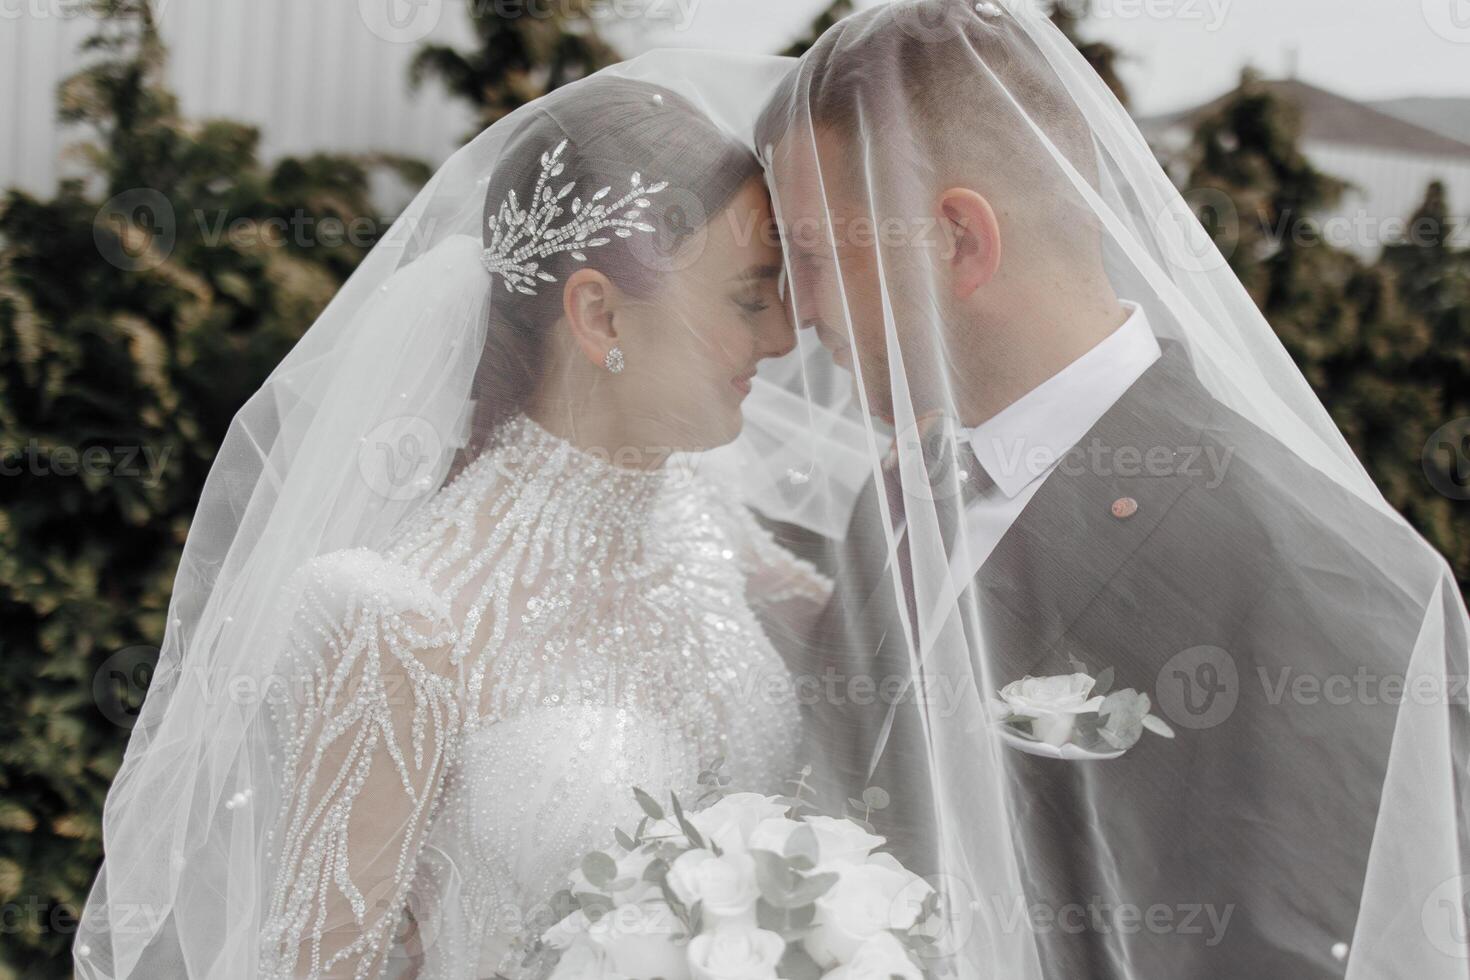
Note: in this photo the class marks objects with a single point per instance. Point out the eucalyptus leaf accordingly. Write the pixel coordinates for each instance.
(599, 869)
(774, 877)
(649, 804)
(689, 829)
(803, 844)
(656, 870)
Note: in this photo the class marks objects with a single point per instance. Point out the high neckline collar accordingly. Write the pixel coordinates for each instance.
(526, 447)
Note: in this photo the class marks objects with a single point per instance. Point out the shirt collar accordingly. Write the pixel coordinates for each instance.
(1027, 439)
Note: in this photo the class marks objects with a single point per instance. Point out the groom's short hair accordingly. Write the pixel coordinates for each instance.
(968, 85)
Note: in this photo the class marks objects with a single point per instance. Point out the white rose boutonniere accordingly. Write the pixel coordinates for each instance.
(1051, 703)
(1073, 716)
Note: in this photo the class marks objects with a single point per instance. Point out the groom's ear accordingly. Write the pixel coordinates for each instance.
(589, 300)
(974, 235)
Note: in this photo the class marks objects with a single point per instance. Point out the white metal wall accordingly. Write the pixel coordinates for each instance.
(1387, 187)
(313, 74)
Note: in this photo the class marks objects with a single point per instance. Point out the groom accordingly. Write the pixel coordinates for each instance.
(1238, 848)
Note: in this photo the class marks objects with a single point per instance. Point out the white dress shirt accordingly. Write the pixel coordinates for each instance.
(1022, 445)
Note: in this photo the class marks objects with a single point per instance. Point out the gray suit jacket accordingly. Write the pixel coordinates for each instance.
(1237, 849)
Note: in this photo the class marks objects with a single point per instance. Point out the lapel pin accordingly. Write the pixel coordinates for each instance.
(1124, 508)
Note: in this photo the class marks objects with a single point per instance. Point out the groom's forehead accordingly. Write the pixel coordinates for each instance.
(808, 170)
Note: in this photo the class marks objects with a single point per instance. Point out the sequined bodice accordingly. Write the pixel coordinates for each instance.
(593, 629)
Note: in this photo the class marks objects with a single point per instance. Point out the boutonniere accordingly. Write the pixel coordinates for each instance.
(1075, 716)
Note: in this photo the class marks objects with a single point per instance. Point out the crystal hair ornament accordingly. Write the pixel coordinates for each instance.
(520, 239)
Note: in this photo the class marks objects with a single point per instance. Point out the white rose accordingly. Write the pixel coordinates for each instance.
(729, 821)
(866, 899)
(725, 884)
(773, 834)
(1053, 703)
(644, 940)
(840, 841)
(881, 957)
(736, 954)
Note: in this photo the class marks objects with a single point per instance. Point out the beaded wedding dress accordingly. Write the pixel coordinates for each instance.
(550, 631)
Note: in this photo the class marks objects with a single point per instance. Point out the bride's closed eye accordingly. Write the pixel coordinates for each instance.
(757, 289)
(753, 305)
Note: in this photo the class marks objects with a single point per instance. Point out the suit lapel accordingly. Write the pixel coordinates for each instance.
(1069, 542)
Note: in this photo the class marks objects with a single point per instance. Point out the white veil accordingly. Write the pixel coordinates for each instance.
(1324, 835)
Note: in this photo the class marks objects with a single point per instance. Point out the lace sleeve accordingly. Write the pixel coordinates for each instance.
(368, 729)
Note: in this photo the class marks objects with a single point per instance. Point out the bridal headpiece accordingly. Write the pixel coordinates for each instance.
(521, 237)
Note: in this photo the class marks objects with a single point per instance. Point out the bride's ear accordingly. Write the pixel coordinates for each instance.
(589, 300)
(973, 233)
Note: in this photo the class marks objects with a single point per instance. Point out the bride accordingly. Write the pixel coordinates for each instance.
(565, 619)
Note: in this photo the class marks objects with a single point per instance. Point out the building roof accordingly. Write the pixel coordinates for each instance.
(1331, 118)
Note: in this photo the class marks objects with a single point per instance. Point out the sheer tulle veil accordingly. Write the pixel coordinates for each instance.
(1206, 540)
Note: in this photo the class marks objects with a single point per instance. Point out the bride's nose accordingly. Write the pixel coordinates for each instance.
(777, 337)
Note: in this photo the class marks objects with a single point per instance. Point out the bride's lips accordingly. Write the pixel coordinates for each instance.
(742, 383)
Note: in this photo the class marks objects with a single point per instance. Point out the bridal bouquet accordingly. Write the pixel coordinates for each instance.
(749, 887)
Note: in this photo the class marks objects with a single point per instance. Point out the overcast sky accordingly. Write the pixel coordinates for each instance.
(1182, 52)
